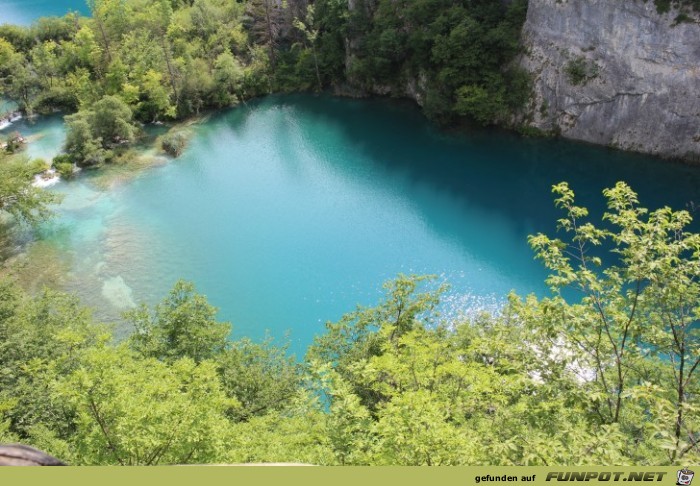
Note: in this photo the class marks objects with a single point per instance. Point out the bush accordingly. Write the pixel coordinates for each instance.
(64, 165)
(15, 143)
(174, 143)
(662, 6)
(580, 71)
(479, 103)
(683, 18)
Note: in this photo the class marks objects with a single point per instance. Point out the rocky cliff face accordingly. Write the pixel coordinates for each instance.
(615, 72)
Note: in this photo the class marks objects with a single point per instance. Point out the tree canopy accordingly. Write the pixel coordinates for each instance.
(603, 371)
(169, 59)
(18, 197)
(92, 133)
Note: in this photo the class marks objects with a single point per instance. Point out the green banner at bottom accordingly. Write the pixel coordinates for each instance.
(356, 476)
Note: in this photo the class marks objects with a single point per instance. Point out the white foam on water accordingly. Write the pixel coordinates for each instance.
(41, 180)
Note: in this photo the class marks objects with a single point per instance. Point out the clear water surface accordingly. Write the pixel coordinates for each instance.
(291, 210)
(24, 12)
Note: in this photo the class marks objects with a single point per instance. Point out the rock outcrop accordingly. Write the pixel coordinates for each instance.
(616, 73)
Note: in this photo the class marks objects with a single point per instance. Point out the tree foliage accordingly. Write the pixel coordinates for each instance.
(169, 60)
(456, 53)
(91, 134)
(603, 371)
(636, 326)
(18, 197)
(140, 411)
(183, 325)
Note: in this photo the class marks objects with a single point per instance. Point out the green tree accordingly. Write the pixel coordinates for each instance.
(81, 145)
(311, 37)
(82, 51)
(45, 61)
(140, 411)
(19, 82)
(41, 338)
(92, 132)
(111, 120)
(158, 17)
(641, 307)
(110, 22)
(18, 197)
(183, 325)
(198, 85)
(228, 75)
(261, 377)
(267, 22)
(479, 103)
(348, 423)
(298, 434)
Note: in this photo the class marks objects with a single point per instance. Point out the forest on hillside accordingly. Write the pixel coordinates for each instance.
(140, 61)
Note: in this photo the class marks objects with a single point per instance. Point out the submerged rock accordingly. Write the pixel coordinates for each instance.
(118, 293)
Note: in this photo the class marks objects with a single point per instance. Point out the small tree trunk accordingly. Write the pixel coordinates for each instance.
(318, 74)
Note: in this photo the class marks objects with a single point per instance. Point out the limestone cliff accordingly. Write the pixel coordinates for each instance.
(615, 72)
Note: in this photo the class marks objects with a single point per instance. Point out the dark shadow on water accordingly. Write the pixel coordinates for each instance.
(500, 172)
(497, 169)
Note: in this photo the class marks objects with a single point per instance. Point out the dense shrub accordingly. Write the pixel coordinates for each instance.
(174, 143)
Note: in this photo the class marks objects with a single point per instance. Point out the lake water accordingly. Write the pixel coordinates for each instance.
(292, 210)
(24, 12)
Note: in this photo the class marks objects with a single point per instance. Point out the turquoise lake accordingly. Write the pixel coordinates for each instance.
(24, 12)
(291, 210)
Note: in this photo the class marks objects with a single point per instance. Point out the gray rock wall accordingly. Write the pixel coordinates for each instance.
(615, 72)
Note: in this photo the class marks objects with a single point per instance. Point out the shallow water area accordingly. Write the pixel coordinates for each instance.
(290, 211)
(45, 134)
(24, 12)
